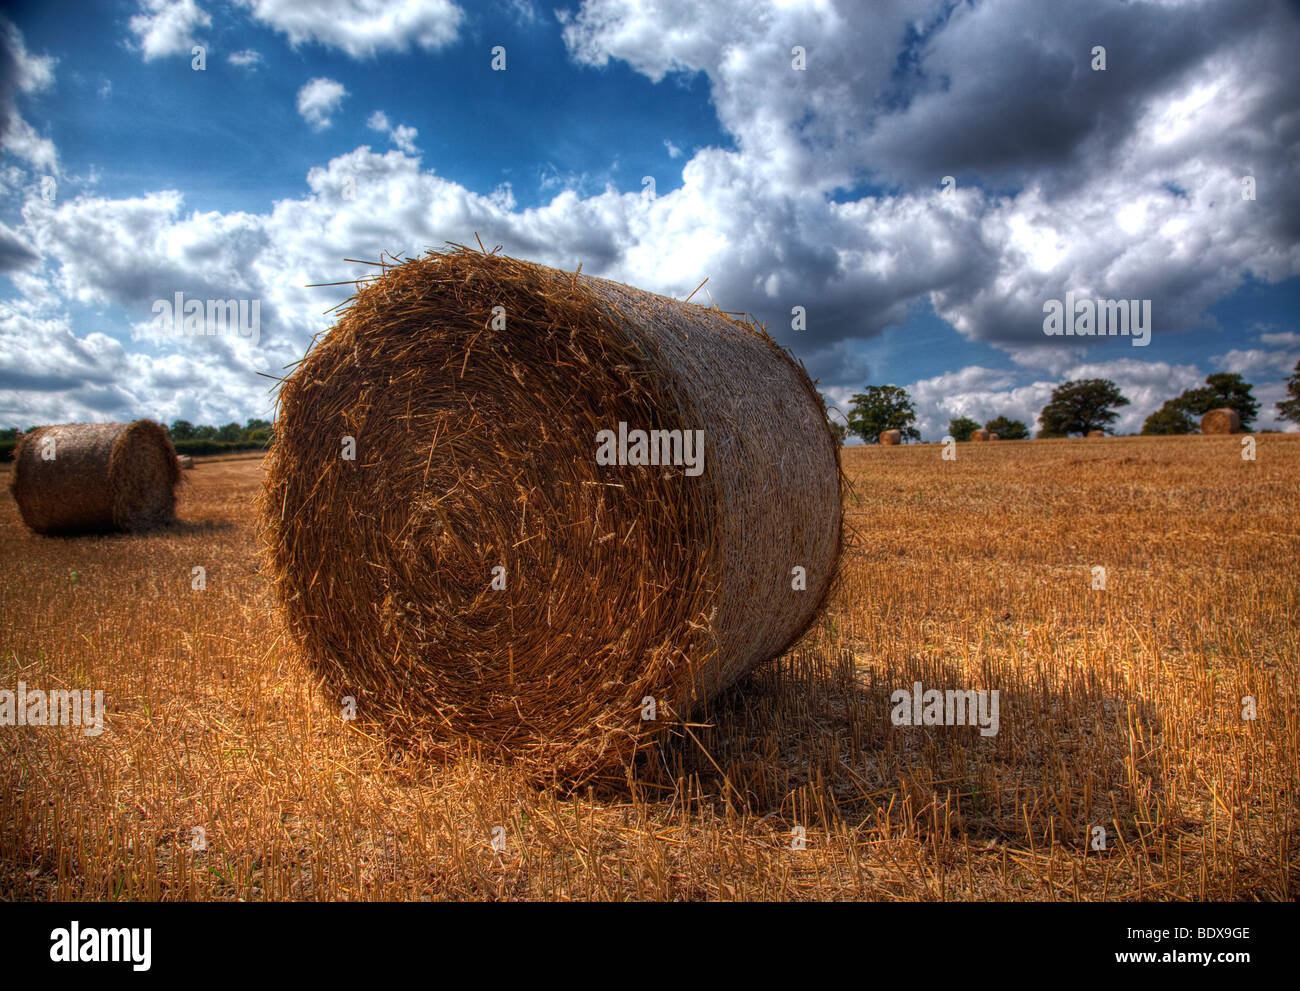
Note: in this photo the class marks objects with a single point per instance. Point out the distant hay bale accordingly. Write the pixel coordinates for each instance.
(1221, 421)
(474, 575)
(979, 435)
(185, 461)
(1096, 433)
(889, 438)
(992, 436)
(91, 477)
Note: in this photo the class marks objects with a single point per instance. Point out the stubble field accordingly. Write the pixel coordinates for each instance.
(224, 772)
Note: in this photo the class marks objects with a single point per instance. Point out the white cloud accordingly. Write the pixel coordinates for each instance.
(318, 99)
(1288, 338)
(166, 27)
(362, 28)
(22, 73)
(30, 73)
(246, 59)
(1106, 199)
(402, 136)
(673, 150)
(1256, 361)
(22, 140)
(1110, 210)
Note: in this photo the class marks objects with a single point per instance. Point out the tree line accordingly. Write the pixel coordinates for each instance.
(1076, 408)
(187, 437)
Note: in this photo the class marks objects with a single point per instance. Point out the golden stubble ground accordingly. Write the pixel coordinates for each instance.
(1119, 708)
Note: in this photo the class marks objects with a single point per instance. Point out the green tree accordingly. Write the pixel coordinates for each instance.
(1078, 407)
(1182, 414)
(1289, 408)
(881, 408)
(1171, 418)
(1223, 389)
(961, 427)
(181, 430)
(1007, 429)
(229, 433)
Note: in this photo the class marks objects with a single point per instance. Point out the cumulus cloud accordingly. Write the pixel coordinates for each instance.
(318, 99)
(402, 136)
(362, 28)
(14, 251)
(246, 59)
(1132, 194)
(1120, 184)
(23, 74)
(166, 27)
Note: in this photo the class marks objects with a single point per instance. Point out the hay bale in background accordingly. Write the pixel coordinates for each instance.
(1221, 421)
(185, 461)
(1096, 433)
(475, 436)
(888, 438)
(101, 476)
(979, 435)
(992, 436)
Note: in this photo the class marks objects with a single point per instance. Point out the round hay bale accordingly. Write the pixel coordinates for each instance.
(992, 435)
(185, 461)
(1096, 433)
(889, 438)
(979, 435)
(473, 573)
(92, 477)
(1221, 421)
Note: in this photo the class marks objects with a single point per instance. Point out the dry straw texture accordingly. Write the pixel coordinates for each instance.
(891, 437)
(475, 450)
(102, 476)
(1221, 421)
(979, 435)
(185, 461)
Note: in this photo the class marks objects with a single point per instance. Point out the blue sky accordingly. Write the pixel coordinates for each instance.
(341, 128)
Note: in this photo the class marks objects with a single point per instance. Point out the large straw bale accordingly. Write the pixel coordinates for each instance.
(475, 434)
(92, 477)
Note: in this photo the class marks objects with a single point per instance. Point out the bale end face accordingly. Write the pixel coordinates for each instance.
(979, 436)
(1221, 421)
(889, 438)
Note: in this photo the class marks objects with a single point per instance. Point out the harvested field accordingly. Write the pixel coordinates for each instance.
(1120, 708)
